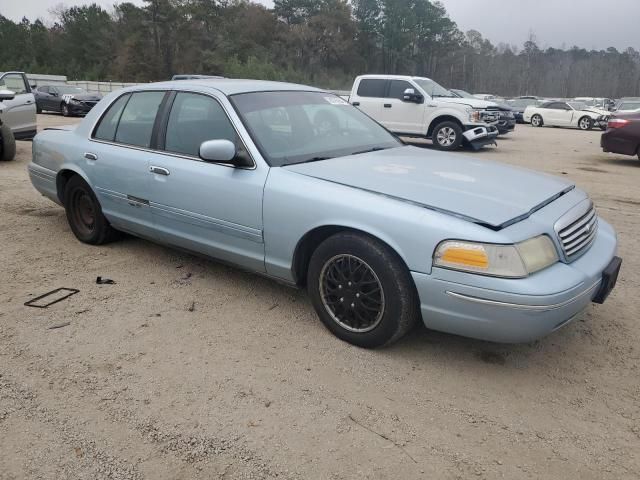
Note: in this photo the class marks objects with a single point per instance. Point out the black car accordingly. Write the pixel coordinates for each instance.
(66, 99)
(518, 106)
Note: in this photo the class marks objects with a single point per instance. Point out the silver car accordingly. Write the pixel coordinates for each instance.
(296, 184)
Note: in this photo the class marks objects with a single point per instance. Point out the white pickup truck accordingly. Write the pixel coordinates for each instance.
(419, 107)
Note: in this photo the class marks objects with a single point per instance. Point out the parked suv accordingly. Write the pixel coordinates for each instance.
(419, 107)
(19, 113)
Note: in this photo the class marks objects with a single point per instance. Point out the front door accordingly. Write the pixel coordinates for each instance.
(209, 208)
(20, 113)
(400, 116)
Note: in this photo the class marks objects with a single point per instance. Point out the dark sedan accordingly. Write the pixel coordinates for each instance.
(519, 105)
(66, 99)
(622, 135)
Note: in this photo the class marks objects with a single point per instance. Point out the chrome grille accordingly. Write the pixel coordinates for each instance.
(579, 234)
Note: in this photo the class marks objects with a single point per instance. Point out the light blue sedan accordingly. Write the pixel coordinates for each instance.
(294, 183)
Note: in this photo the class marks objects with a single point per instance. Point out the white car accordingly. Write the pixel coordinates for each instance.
(19, 113)
(566, 114)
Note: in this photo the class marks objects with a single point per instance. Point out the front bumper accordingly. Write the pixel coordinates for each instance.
(80, 108)
(506, 124)
(515, 310)
(479, 136)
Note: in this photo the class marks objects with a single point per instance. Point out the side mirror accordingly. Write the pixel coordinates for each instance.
(218, 151)
(410, 95)
(6, 95)
(34, 86)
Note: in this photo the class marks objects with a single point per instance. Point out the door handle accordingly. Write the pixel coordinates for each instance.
(431, 105)
(90, 156)
(356, 104)
(159, 170)
(28, 101)
(387, 105)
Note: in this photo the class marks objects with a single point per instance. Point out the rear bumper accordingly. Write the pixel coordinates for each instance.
(616, 141)
(518, 310)
(44, 181)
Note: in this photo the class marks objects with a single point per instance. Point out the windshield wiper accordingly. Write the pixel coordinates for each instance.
(309, 160)
(369, 150)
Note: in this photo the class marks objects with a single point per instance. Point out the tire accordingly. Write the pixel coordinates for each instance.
(537, 121)
(447, 136)
(38, 109)
(8, 147)
(84, 213)
(353, 265)
(64, 108)
(585, 123)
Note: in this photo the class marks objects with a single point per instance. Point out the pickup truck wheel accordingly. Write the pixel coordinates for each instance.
(64, 108)
(84, 213)
(447, 136)
(361, 290)
(8, 147)
(585, 123)
(537, 121)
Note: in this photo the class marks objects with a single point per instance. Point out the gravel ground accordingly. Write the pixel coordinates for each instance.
(187, 369)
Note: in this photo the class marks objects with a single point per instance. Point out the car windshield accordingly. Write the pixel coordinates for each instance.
(433, 89)
(577, 105)
(295, 127)
(69, 89)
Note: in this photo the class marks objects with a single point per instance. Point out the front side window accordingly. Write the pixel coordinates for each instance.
(296, 127)
(397, 88)
(138, 117)
(43, 89)
(372, 87)
(107, 127)
(194, 119)
(14, 82)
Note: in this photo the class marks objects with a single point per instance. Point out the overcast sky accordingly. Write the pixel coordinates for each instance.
(557, 23)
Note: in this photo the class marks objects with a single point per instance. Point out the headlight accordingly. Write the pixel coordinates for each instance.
(474, 115)
(73, 100)
(510, 261)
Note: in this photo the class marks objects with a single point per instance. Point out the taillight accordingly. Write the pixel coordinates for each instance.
(618, 123)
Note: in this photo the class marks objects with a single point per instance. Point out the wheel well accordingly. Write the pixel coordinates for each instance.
(439, 120)
(61, 182)
(312, 239)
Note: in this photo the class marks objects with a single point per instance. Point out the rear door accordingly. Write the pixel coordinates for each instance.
(400, 116)
(118, 160)
(20, 113)
(370, 96)
(211, 208)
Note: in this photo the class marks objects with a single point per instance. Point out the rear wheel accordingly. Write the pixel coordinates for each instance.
(537, 121)
(447, 136)
(361, 290)
(585, 123)
(84, 213)
(8, 147)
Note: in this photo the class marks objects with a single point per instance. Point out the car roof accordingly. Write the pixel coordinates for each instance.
(385, 76)
(227, 86)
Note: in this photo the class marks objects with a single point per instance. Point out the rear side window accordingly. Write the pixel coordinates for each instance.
(107, 128)
(14, 82)
(397, 88)
(372, 87)
(195, 119)
(138, 117)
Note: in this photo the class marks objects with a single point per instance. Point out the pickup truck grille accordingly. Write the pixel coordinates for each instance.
(579, 234)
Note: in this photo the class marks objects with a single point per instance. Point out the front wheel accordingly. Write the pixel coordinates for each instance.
(361, 290)
(8, 147)
(537, 121)
(447, 136)
(84, 213)
(585, 123)
(65, 110)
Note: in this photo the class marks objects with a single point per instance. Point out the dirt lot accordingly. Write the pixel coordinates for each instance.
(250, 385)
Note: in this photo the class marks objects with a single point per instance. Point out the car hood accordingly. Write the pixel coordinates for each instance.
(471, 102)
(597, 111)
(481, 191)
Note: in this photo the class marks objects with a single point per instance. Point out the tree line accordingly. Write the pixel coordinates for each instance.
(320, 42)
